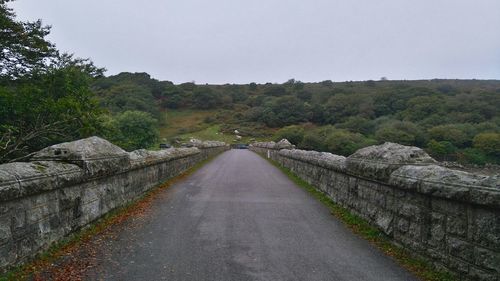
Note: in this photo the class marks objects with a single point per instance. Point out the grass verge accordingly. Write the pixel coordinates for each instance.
(418, 266)
(29, 270)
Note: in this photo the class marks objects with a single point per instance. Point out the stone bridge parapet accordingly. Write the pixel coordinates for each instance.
(450, 217)
(69, 185)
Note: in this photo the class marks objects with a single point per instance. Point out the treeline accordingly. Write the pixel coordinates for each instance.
(454, 120)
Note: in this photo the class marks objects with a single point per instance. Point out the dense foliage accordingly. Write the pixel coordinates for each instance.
(452, 119)
(23, 44)
(130, 130)
(45, 96)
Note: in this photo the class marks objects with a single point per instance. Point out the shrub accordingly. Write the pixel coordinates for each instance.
(488, 142)
(443, 150)
(401, 132)
(294, 134)
(345, 143)
(473, 156)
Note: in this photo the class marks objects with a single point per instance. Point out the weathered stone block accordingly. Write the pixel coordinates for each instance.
(486, 228)
(18, 218)
(460, 249)
(410, 211)
(442, 182)
(7, 254)
(27, 245)
(479, 274)
(384, 220)
(449, 207)
(415, 231)
(487, 196)
(390, 203)
(143, 157)
(9, 186)
(457, 225)
(403, 225)
(459, 266)
(377, 162)
(318, 159)
(96, 156)
(409, 242)
(5, 230)
(35, 177)
(263, 146)
(487, 259)
(437, 231)
(437, 255)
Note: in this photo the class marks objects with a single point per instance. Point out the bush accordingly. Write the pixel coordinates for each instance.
(346, 143)
(473, 156)
(489, 143)
(205, 98)
(131, 130)
(405, 133)
(357, 124)
(313, 141)
(455, 134)
(294, 134)
(443, 150)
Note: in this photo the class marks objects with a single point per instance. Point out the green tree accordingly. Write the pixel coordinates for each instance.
(239, 96)
(489, 143)
(313, 141)
(205, 98)
(129, 96)
(288, 110)
(421, 107)
(454, 133)
(357, 124)
(275, 90)
(444, 150)
(342, 106)
(406, 133)
(51, 107)
(304, 95)
(45, 96)
(345, 143)
(293, 133)
(131, 130)
(472, 155)
(23, 45)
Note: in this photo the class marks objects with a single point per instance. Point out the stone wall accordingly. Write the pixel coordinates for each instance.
(67, 186)
(450, 217)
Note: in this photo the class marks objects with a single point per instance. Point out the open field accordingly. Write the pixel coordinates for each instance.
(179, 122)
(186, 124)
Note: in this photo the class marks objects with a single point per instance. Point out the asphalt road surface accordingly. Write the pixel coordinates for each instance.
(240, 218)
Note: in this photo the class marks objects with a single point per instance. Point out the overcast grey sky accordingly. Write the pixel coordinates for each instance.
(241, 41)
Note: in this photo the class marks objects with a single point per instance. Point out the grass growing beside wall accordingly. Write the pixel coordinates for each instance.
(45, 261)
(418, 266)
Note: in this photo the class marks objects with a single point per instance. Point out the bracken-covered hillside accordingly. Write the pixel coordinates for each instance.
(452, 119)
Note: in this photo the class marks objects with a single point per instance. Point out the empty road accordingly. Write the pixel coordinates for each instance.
(239, 218)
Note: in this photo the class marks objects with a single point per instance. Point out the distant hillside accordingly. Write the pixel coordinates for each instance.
(452, 119)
